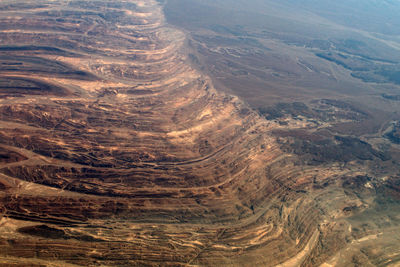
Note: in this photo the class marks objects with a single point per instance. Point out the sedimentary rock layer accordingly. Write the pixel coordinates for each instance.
(115, 151)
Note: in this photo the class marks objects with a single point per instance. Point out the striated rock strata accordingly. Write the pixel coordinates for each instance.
(115, 151)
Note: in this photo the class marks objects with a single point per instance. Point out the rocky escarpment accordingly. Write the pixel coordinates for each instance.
(115, 151)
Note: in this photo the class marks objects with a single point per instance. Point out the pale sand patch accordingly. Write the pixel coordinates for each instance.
(299, 258)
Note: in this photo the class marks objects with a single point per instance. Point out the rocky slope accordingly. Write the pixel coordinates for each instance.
(115, 151)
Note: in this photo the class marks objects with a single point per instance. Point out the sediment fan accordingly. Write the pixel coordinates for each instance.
(115, 151)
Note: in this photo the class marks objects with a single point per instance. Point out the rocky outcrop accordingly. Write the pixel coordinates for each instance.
(115, 151)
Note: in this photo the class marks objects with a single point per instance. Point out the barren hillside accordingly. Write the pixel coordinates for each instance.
(115, 151)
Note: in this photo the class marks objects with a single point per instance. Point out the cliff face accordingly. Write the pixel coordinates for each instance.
(115, 151)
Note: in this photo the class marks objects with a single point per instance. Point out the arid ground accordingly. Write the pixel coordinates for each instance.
(131, 135)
